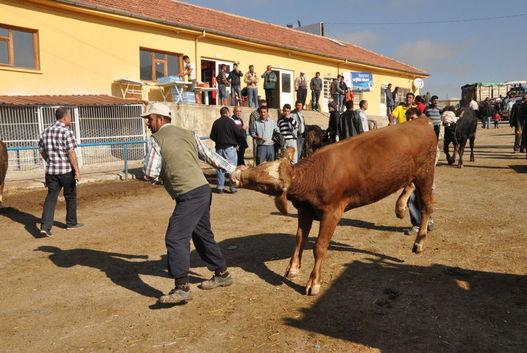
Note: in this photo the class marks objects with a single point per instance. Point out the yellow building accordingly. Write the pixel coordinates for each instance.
(75, 47)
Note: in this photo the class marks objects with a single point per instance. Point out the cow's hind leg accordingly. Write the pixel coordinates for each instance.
(402, 201)
(472, 138)
(305, 220)
(462, 145)
(424, 186)
(328, 224)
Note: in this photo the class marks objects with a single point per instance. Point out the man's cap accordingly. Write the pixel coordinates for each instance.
(157, 108)
(302, 72)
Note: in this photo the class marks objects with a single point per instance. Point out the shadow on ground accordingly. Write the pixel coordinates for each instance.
(250, 253)
(30, 222)
(403, 308)
(353, 223)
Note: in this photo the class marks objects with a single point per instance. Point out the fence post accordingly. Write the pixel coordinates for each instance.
(125, 155)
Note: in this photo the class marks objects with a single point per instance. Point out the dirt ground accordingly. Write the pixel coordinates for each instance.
(95, 289)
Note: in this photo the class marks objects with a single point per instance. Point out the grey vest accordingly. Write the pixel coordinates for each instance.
(180, 168)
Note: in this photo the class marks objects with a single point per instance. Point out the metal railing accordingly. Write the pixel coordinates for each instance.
(125, 156)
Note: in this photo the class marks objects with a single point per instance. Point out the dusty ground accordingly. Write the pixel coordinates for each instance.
(94, 289)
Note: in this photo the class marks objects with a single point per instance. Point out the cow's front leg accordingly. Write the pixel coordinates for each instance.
(402, 201)
(305, 220)
(328, 224)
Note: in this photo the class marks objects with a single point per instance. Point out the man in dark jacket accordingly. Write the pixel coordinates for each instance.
(235, 81)
(390, 103)
(316, 87)
(334, 118)
(350, 123)
(226, 135)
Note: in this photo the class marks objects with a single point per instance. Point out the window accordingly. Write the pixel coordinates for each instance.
(286, 82)
(157, 64)
(19, 47)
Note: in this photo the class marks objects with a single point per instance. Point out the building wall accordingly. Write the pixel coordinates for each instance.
(85, 54)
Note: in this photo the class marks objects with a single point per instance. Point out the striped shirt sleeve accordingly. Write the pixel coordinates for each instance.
(212, 158)
(152, 161)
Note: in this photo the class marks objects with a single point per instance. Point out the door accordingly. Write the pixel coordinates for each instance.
(382, 109)
(286, 84)
(229, 69)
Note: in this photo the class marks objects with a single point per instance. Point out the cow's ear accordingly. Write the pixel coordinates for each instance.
(289, 153)
(280, 202)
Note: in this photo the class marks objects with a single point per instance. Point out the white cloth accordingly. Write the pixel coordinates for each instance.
(364, 120)
(448, 117)
(473, 105)
(192, 68)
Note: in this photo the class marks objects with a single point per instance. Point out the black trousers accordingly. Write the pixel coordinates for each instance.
(437, 129)
(269, 97)
(241, 156)
(301, 95)
(55, 183)
(191, 220)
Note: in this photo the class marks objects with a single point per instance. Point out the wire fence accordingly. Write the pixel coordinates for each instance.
(106, 135)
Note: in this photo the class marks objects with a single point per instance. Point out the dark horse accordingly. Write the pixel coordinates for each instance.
(458, 133)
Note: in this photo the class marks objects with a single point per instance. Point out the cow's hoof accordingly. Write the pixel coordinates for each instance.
(292, 272)
(472, 159)
(418, 248)
(460, 166)
(312, 289)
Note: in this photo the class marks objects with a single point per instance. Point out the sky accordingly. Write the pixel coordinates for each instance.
(454, 54)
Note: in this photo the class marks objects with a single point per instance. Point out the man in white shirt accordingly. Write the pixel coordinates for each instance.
(189, 70)
(363, 106)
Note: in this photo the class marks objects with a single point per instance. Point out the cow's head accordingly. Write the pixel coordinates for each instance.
(271, 178)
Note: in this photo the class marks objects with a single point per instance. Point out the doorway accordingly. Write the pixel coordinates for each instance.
(209, 70)
(284, 92)
(383, 110)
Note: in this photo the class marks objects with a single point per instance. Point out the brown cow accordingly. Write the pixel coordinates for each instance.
(3, 167)
(349, 174)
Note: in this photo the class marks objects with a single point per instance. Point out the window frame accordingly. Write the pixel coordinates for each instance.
(155, 60)
(11, 47)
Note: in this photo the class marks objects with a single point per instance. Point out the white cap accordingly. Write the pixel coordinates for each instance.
(157, 108)
(302, 72)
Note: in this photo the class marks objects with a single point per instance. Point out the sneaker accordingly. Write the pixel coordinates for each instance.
(216, 281)
(217, 191)
(75, 226)
(175, 296)
(410, 231)
(233, 191)
(45, 233)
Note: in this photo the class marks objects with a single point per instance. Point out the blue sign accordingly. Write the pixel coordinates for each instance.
(362, 81)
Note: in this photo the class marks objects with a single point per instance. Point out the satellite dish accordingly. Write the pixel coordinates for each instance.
(419, 83)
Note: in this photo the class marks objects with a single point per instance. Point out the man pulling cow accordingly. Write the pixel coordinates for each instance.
(174, 155)
(334, 180)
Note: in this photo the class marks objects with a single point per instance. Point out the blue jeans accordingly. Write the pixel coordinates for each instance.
(252, 96)
(264, 153)
(315, 96)
(415, 209)
(231, 155)
(235, 91)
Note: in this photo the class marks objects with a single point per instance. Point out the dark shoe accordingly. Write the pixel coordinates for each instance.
(410, 231)
(175, 296)
(217, 191)
(75, 226)
(45, 233)
(216, 281)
